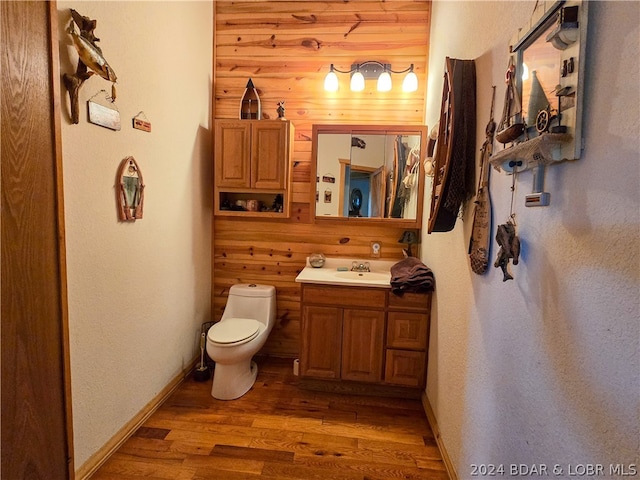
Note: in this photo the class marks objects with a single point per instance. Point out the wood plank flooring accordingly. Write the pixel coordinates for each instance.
(279, 431)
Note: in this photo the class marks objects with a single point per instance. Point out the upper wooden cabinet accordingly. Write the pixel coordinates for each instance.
(252, 167)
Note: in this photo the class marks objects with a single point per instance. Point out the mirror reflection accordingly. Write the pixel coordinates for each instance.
(540, 76)
(369, 174)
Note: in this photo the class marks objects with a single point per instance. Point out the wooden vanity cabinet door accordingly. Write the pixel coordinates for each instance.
(405, 367)
(362, 345)
(321, 342)
(233, 154)
(407, 330)
(269, 155)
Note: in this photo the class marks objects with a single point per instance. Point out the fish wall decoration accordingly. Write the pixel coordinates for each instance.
(90, 61)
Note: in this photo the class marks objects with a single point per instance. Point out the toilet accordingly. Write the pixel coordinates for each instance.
(247, 320)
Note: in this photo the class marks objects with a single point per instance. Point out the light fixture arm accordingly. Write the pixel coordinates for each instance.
(408, 69)
(357, 66)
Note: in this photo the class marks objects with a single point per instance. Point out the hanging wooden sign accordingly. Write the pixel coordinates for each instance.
(140, 122)
(141, 125)
(104, 116)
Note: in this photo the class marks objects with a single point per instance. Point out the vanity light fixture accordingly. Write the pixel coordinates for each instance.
(369, 70)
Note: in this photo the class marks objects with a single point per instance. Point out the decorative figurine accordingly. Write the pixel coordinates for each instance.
(90, 58)
(250, 108)
(281, 110)
(509, 248)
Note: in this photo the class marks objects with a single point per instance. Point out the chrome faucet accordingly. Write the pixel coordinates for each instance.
(360, 267)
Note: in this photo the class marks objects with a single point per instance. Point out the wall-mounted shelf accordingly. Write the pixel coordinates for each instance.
(542, 150)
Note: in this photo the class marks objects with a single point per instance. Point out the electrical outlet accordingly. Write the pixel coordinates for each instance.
(375, 249)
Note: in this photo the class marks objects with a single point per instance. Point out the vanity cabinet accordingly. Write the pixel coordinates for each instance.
(364, 334)
(252, 162)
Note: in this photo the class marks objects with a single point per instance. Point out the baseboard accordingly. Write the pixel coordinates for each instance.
(94, 462)
(433, 423)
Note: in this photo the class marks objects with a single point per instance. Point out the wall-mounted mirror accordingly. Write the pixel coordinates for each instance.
(368, 173)
(548, 54)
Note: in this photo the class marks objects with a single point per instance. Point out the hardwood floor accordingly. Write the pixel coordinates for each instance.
(279, 431)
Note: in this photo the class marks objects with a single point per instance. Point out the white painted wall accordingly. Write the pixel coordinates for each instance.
(545, 368)
(138, 292)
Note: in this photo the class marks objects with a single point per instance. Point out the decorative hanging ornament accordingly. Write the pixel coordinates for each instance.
(508, 240)
(130, 191)
(250, 108)
(107, 115)
(90, 61)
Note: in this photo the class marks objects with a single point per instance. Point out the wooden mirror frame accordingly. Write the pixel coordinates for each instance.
(368, 130)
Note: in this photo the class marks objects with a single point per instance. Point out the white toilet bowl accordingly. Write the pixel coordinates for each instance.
(247, 320)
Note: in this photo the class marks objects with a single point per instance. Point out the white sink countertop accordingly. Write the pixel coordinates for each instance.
(337, 271)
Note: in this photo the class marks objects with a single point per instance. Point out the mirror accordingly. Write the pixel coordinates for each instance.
(550, 61)
(368, 173)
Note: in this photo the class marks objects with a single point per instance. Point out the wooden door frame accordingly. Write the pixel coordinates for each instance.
(62, 248)
(47, 66)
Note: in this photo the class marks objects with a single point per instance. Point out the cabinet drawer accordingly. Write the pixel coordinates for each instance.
(407, 330)
(413, 301)
(405, 367)
(344, 296)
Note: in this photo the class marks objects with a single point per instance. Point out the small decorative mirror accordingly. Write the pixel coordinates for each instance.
(130, 190)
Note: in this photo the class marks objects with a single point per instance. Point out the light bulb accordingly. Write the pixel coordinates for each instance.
(410, 82)
(331, 81)
(357, 82)
(384, 82)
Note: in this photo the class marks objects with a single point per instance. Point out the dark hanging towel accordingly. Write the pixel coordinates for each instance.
(454, 178)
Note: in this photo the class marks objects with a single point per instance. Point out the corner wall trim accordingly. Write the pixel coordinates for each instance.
(433, 423)
(98, 459)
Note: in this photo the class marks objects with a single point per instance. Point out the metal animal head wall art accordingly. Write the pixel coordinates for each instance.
(90, 61)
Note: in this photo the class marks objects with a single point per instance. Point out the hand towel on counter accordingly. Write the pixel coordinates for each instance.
(411, 275)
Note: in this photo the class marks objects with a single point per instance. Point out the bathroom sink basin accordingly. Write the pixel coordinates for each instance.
(336, 271)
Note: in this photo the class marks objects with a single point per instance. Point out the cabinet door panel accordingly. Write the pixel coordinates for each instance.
(362, 332)
(233, 149)
(269, 155)
(405, 367)
(321, 342)
(407, 330)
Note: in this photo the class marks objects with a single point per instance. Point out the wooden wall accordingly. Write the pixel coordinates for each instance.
(286, 47)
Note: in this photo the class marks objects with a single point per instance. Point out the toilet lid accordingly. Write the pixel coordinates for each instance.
(234, 330)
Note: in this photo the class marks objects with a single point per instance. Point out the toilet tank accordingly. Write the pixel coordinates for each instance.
(251, 301)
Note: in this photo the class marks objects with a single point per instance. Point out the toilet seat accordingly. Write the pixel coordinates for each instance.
(234, 331)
